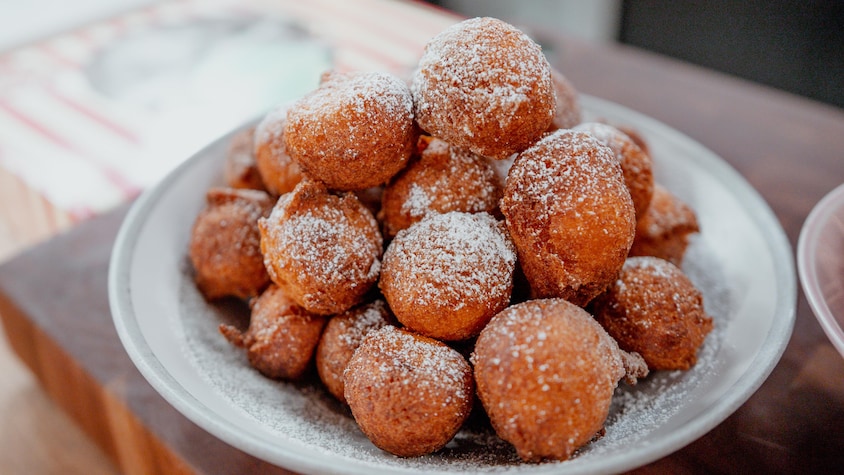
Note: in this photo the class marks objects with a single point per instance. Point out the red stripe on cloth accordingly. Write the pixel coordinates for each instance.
(438, 9)
(373, 20)
(402, 12)
(128, 189)
(345, 42)
(95, 116)
(58, 57)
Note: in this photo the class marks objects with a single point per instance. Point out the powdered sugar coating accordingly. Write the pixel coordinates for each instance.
(281, 337)
(353, 132)
(574, 164)
(225, 243)
(271, 128)
(371, 316)
(654, 309)
(279, 173)
(323, 249)
(409, 394)
(240, 170)
(418, 202)
(444, 179)
(305, 415)
(675, 213)
(448, 274)
(665, 228)
(570, 215)
(636, 165)
(546, 372)
(418, 363)
(484, 85)
(567, 113)
(341, 338)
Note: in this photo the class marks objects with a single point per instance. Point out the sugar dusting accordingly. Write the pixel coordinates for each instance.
(451, 179)
(455, 257)
(641, 409)
(326, 243)
(458, 59)
(270, 128)
(484, 85)
(418, 202)
(305, 413)
(367, 103)
(540, 180)
(407, 360)
(368, 318)
(666, 214)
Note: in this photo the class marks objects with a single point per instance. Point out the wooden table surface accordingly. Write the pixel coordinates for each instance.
(53, 303)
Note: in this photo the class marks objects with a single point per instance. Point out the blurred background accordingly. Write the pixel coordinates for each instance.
(100, 98)
(115, 93)
(793, 45)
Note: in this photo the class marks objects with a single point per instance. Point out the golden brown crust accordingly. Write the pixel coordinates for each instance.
(323, 249)
(224, 246)
(281, 337)
(353, 132)
(509, 134)
(656, 311)
(485, 86)
(570, 215)
(341, 337)
(635, 136)
(545, 373)
(447, 275)
(443, 179)
(636, 165)
(240, 170)
(279, 173)
(567, 112)
(409, 394)
(665, 228)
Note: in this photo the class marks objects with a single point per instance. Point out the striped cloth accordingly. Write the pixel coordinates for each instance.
(90, 118)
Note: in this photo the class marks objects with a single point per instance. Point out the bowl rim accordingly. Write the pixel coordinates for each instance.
(813, 227)
(760, 368)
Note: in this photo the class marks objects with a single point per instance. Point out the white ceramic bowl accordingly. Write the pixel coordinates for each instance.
(741, 261)
(820, 262)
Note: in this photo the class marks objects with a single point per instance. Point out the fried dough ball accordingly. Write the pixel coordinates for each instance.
(546, 372)
(224, 245)
(240, 170)
(636, 165)
(665, 228)
(444, 179)
(656, 311)
(635, 136)
(354, 131)
(447, 275)
(278, 171)
(485, 86)
(281, 337)
(323, 249)
(570, 216)
(409, 394)
(341, 337)
(567, 112)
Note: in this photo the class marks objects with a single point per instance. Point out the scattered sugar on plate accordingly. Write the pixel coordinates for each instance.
(305, 413)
